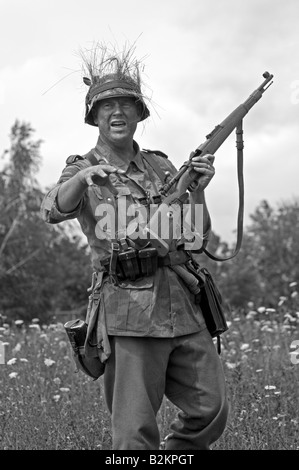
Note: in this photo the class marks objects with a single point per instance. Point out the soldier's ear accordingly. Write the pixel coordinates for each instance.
(139, 110)
(94, 112)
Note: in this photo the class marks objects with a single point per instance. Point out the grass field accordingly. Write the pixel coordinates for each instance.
(45, 404)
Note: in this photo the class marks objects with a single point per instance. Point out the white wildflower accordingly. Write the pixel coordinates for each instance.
(23, 359)
(11, 361)
(13, 375)
(281, 301)
(34, 326)
(49, 362)
(270, 387)
(261, 309)
(289, 317)
(294, 294)
(17, 347)
(293, 284)
(57, 381)
(251, 314)
(230, 365)
(64, 389)
(56, 398)
(244, 346)
(19, 322)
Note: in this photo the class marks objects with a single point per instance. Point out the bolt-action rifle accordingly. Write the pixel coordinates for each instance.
(186, 177)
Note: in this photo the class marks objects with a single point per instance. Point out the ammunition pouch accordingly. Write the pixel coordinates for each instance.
(133, 264)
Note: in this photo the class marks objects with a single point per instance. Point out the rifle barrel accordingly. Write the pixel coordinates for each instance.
(220, 133)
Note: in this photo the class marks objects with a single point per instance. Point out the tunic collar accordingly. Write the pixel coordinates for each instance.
(103, 151)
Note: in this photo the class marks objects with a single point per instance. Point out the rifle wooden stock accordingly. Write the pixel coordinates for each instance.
(186, 175)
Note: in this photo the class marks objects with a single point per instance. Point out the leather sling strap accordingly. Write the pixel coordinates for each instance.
(155, 166)
(240, 146)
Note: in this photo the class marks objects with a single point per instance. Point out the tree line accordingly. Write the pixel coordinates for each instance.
(46, 268)
(43, 268)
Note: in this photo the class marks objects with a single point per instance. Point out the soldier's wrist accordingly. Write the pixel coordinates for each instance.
(80, 180)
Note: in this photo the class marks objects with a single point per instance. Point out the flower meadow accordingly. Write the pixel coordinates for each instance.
(46, 404)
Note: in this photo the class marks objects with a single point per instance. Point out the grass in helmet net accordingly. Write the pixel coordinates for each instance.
(112, 73)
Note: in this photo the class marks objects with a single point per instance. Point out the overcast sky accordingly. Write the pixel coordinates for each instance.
(202, 59)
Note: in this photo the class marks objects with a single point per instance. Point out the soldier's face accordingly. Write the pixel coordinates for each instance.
(117, 119)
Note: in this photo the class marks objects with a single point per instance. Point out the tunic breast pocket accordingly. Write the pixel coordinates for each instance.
(126, 208)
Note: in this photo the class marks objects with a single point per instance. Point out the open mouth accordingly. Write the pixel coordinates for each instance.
(118, 124)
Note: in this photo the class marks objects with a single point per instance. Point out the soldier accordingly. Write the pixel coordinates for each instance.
(144, 326)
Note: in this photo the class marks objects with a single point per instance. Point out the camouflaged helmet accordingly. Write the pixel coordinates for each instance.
(112, 74)
(110, 86)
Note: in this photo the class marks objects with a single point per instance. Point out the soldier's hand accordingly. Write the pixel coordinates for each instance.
(98, 175)
(205, 169)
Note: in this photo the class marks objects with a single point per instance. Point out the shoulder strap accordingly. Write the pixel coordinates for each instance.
(91, 158)
(73, 158)
(156, 152)
(88, 156)
(155, 166)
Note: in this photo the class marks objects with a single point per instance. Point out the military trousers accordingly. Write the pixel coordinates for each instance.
(187, 370)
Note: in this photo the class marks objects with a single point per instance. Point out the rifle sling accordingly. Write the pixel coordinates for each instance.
(240, 146)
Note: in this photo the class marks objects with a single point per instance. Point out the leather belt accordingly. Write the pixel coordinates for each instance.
(171, 259)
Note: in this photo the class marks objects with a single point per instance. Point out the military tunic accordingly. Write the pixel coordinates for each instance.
(159, 305)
